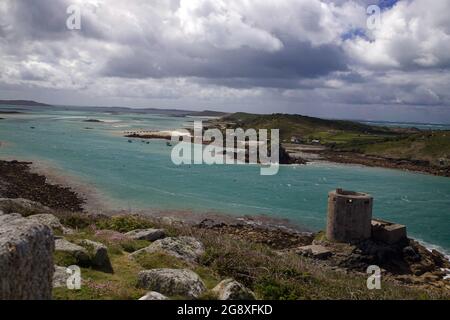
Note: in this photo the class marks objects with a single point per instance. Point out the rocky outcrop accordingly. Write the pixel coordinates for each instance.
(98, 255)
(84, 253)
(185, 248)
(314, 251)
(23, 206)
(146, 234)
(48, 220)
(153, 295)
(26, 259)
(276, 238)
(74, 254)
(172, 282)
(406, 261)
(230, 289)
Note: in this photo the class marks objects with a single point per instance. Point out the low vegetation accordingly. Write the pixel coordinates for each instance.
(433, 147)
(270, 274)
(309, 128)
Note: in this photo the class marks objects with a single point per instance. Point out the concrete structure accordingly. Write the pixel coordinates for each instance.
(388, 232)
(349, 216)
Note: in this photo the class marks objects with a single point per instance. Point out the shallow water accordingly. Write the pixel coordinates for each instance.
(139, 175)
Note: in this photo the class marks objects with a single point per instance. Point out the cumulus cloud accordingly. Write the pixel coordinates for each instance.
(412, 35)
(241, 53)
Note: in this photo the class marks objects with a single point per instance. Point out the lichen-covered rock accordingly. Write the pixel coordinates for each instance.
(23, 206)
(153, 295)
(185, 248)
(146, 234)
(98, 254)
(230, 289)
(26, 259)
(78, 254)
(60, 277)
(172, 282)
(48, 220)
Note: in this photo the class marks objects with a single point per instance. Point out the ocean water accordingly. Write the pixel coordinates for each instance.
(421, 126)
(139, 175)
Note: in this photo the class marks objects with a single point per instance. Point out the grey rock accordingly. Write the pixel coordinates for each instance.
(230, 289)
(146, 234)
(23, 206)
(172, 282)
(80, 254)
(185, 248)
(314, 251)
(26, 259)
(60, 277)
(153, 295)
(98, 254)
(48, 220)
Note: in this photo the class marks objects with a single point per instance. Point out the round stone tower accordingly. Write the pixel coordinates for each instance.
(349, 216)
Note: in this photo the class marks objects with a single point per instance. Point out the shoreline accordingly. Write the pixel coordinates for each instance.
(93, 201)
(380, 162)
(318, 154)
(89, 196)
(281, 235)
(17, 180)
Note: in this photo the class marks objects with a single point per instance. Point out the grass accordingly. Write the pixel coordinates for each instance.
(63, 259)
(309, 128)
(97, 285)
(427, 146)
(124, 223)
(159, 260)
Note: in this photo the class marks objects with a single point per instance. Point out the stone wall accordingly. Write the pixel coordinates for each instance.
(26, 259)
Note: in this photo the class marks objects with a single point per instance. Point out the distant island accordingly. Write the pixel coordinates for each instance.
(118, 110)
(208, 113)
(343, 141)
(24, 103)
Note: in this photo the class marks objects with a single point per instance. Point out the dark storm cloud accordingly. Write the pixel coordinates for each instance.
(44, 20)
(250, 67)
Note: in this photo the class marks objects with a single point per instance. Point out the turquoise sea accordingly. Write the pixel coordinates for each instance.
(139, 175)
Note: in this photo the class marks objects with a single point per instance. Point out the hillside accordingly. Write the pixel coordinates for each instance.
(309, 128)
(207, 113)
(432, 147)
(23, 103)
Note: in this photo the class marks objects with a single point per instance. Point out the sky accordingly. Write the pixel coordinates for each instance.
(315, 57)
